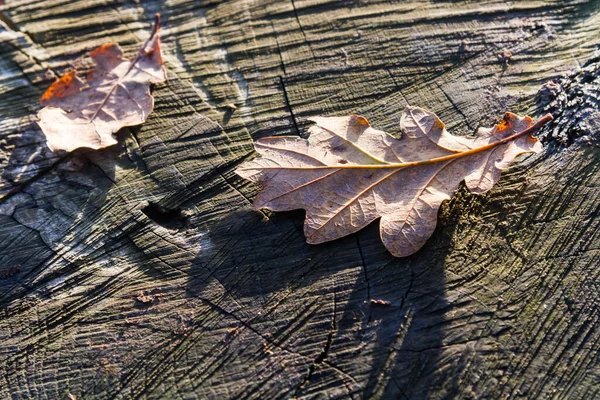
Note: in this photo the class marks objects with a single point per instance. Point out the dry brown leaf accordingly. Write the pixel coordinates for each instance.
(115, 94)
(346, 174)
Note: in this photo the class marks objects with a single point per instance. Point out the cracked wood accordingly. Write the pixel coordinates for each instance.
(237, 314)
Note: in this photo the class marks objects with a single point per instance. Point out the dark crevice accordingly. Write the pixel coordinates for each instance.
(289, 106)
(324, 353)
(332, 331)
(279, 52)
(298, 20)
(171, 219)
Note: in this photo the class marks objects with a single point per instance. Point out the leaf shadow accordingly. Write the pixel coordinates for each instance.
(393, 311)
(251, 255)
(402, 317)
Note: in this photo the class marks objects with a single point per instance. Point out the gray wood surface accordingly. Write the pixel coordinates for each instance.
(140, 271)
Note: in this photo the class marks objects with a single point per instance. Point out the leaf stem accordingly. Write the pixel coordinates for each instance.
(132, 64)
(539, 123)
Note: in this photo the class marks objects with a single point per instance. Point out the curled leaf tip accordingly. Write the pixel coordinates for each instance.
(360, 120)
(155, 25)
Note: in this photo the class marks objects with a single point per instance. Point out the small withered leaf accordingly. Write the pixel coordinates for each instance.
(115, 94)
(347, 174)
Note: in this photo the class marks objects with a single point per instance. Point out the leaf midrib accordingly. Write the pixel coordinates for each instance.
(542, 121)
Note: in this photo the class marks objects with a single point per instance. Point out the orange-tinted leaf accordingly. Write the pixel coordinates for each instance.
(116, 94)
(66, 86)
(347, 174)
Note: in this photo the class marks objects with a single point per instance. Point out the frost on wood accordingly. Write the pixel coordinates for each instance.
(115, 94)
(346, 174)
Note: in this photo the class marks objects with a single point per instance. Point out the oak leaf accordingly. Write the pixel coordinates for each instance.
(114, 95)
(347, 174)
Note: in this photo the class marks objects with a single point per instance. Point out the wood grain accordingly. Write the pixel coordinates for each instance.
(140, 271)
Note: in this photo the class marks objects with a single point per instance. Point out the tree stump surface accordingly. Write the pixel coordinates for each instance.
(141, 272)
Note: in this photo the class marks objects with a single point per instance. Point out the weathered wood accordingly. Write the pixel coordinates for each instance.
(141, 272)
